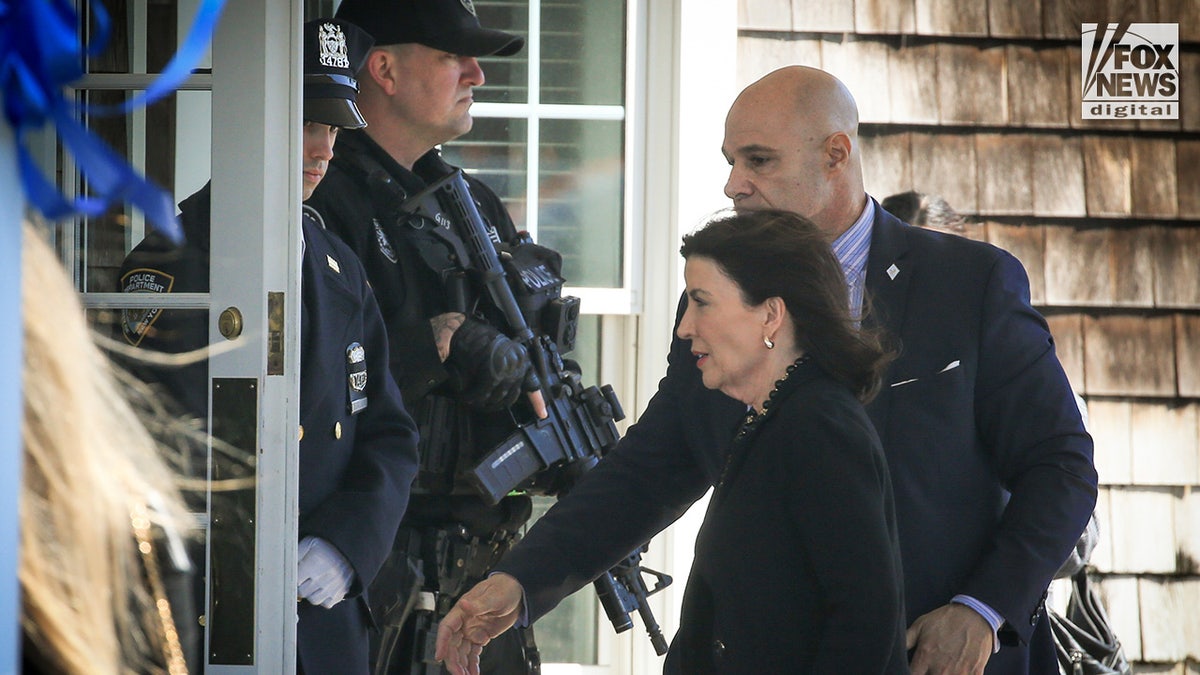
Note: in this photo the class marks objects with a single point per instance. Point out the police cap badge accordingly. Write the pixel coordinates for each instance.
(333, 52)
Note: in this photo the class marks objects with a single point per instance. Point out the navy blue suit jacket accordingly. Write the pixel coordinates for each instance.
(356, 468)
(990, 463)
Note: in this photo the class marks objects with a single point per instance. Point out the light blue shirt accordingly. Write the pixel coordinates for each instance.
(851, 248)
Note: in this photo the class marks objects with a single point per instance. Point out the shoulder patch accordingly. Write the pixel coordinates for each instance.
(136, 323)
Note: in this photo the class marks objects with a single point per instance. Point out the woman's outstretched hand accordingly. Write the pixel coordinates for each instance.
(487, 610)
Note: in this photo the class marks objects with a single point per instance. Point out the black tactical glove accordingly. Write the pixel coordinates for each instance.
(492, 366)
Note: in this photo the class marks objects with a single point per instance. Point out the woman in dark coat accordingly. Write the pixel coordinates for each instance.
(797, 566)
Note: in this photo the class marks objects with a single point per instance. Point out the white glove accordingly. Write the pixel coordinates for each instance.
(323, 574)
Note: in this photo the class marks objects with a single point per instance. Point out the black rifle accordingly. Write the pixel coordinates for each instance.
(546, 456)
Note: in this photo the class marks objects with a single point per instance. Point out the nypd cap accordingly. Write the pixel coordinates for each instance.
(333, 52)
(449, 25)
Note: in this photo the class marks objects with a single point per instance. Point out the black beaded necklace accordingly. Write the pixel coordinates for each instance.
(754, 418)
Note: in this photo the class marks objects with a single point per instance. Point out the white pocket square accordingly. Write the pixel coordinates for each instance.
(949, 366)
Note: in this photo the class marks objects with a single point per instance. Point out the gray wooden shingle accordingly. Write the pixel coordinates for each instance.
(1187, 531)
(1106, 165)
(1120, 597)
(1067, 330)
(885, 16)
(1187, 173)
(1168, 609)
(1038, 86)
(1058, 177)
(1027, 243)
(951, 17)
(887, 163)
(862, 65)
(1184, 12)
(1187, 355)
(1147, 544)
(1015, 19)
(1109, 424)
(1152, 171)
(1099, 267)
(970, 84)
(758, 56)
(1061, 18)
(822, 16)
(1005, 173)
(1189, 91)
(1124, 355)
(946, 162)
(911, 73)
(773, 15)
(1164, 444)
(1177, 272)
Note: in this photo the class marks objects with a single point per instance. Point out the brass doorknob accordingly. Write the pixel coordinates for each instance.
(230, 323)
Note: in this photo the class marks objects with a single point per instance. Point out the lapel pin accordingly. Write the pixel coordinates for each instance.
(893, 271)
(333, 264)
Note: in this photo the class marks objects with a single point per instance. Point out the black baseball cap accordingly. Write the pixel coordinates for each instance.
(333, 52)
(448, 25)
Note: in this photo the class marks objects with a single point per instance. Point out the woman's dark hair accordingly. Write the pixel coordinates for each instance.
(779, 253)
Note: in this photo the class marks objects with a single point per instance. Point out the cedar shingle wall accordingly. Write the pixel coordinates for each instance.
(979, 102)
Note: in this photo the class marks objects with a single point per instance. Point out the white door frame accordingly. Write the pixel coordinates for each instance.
(255, 255)
(256, 193)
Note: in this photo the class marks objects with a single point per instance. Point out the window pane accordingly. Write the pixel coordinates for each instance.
(580, 202)
(133, 48)
(181, 388)
(567, 634)
(507, 77)
(147, 140)
(583, 52)
(494, 152)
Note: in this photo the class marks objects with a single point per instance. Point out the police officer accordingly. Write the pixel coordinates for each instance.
(457, 372)
(357, 442)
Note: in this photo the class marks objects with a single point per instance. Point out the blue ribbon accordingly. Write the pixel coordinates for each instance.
(41, 51)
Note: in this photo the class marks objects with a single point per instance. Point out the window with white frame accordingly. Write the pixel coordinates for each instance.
(550, 130)
(554, 135)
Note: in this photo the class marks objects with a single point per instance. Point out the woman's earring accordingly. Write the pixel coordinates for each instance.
(768, 342)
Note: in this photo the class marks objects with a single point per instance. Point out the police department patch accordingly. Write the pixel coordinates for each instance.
(385, 245)
(136, 323)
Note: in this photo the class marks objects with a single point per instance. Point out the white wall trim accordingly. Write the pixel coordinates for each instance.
(690, 80)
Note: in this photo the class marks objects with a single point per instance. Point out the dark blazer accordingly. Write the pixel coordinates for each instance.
(798, 480)
(990, 463)
(358, 453)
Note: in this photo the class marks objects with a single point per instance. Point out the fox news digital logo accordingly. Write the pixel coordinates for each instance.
(1131, 71)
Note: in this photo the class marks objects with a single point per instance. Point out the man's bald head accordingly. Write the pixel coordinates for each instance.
(814, 97)
(792, 140)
